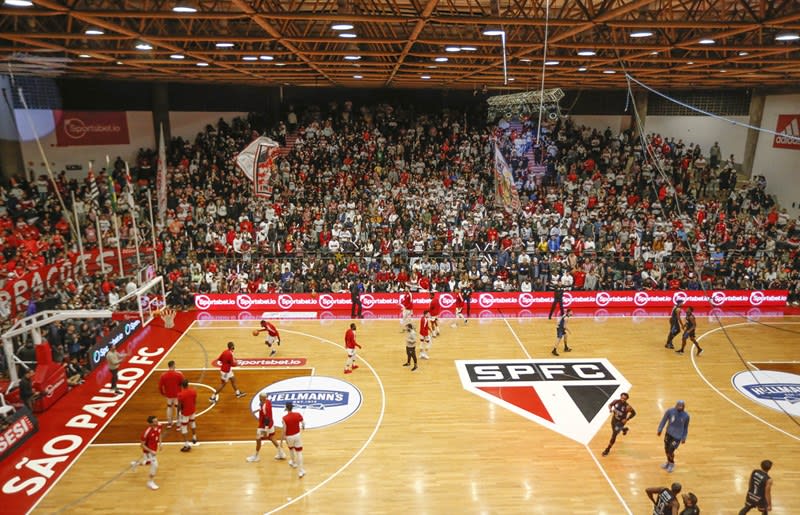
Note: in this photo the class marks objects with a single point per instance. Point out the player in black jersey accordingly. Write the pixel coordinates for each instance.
(561, 332)
(688, 331)
(759, 490)
(674, 324)
(621, 413)
(665, 500)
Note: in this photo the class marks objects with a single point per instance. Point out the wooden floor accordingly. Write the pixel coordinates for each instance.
(421, 444)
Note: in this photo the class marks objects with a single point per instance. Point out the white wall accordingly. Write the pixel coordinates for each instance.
(140, 130)
(703, 130)
(780, 166)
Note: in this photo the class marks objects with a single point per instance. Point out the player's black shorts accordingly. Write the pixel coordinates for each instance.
(754, 502)
(688, 334)
(617, 425)
(560, 333)
(670, 443)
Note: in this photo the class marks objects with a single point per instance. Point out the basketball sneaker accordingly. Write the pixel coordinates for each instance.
(679, 352)
(239, 395)
(254, 458)
(280, 456)
(670, 467)
(292, 464)
(213, 398)
(194, 441)
(665, 466)
(301, 473)
(152, 485)
(355, 366)
(348, 371)
(554, 352)
(186, 448)
(567, 349)
(605, 452)
(423, 355)
(413, 369)
(273, 353)
(625, 430)
(134, 464)
(700, 352)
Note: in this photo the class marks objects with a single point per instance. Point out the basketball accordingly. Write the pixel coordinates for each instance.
(255, 332)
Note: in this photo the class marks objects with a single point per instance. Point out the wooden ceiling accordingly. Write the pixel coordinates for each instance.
(292, 42)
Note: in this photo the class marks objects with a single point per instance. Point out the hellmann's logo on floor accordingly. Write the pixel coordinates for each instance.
(774, 389)
(323, 401)
(319, 399)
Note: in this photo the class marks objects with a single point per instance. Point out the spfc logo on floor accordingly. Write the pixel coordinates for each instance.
(569, 396)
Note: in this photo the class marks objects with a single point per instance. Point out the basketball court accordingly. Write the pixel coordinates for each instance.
(425, 442)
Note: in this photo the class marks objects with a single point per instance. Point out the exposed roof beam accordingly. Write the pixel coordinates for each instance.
(273, 32)
(412, 38)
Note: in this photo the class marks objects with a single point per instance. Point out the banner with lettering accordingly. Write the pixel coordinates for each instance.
(83, 128)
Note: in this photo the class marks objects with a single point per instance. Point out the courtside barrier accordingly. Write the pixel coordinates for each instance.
(377, 302)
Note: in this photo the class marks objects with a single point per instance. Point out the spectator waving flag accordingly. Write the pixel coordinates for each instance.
(94, 192)
(129, 189)
(505, 191)
(161, 178)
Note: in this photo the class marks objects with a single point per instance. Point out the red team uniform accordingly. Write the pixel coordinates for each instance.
(187, 398)
(266, 425)
(350, 346)
(170, 384)
(226, 364)
(273, 336)
(292, 423)
(151, 438)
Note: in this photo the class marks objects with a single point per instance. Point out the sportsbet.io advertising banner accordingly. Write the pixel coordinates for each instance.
(118, 336)
(492, 300)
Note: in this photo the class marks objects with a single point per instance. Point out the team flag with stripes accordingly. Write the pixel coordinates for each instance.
(94, 191)
(505, 191)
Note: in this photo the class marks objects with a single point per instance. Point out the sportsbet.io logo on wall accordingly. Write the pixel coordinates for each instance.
(568, 396)
(771, 388)
(323, 401)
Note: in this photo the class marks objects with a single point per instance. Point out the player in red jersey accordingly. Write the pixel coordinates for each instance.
(187, 405)
(459, 305)
(292, 424)
(406, 308)
(266, 429)
(424, 335)
(350, 346)
(226, 364)
(151, 443)
(434, 311)
(273, 336)
(169, 384)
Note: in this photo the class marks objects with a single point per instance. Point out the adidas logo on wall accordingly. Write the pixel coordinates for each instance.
(568, 396)
(789, 128)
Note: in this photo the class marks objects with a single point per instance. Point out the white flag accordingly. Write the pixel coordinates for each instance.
(161, 177)
(246, 160)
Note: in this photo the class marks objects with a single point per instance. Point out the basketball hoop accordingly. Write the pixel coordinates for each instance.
(168, 316)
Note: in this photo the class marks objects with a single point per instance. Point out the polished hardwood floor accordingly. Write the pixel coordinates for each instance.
(420, 443)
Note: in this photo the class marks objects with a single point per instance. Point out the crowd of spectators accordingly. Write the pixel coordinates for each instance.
(397, 199)
(394, 197)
